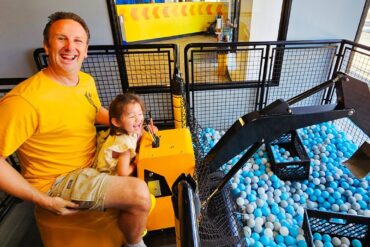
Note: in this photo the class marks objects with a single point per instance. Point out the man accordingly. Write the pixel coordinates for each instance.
(49, 118)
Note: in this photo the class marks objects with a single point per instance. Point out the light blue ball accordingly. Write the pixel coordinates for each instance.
(356, 243)
(255, 236)
(289, 240)
(257, 244)
(317, 236)
(301, 243)
(257, 212)
(265, 240)
(279, 238)
(328, 244)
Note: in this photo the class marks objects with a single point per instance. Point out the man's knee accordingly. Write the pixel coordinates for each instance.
(142, 196)
(128, 194)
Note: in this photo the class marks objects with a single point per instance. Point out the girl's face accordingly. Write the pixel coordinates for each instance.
(132, 118)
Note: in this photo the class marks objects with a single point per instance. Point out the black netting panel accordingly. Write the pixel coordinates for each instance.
(356, 62)
(160, 106)
(220, 65)
(148, 68)
(218, 225)
(294, 70)
(220, 108)
(104, 68)
(223, 81)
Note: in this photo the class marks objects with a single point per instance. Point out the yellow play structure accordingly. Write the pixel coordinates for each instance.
(160, 20)
(160, 166)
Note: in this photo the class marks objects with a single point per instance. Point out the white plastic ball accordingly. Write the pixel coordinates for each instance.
(247, 231)
(268, 233)
(284, 231)
(257, 228)
(345, 241)
(336, 241)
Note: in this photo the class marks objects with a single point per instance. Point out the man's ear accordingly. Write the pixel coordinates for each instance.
(87, 49)
(46, 48)
(115, 122)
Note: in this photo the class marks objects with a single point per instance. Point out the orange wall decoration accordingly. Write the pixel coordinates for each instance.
(161, 20)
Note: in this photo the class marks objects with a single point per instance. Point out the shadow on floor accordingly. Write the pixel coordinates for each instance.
(161, 238)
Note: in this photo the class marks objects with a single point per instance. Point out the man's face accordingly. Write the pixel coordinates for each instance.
(66, 47)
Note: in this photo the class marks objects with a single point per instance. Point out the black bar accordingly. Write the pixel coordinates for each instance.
(310, 92)
(114, 23)
(189, 235)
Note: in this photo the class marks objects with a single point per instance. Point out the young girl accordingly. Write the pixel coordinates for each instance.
(126, 117)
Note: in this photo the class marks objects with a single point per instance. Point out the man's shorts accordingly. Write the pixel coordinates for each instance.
(86, 187)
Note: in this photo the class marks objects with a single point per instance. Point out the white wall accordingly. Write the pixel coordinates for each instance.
(22, 23)
(324, 19)
(265, 20)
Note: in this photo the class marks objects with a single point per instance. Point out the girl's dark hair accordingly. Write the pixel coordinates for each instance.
(116, 109)
(64, 16)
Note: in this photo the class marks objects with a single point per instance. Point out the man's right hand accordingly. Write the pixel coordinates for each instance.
(12, 182)
(60, 206)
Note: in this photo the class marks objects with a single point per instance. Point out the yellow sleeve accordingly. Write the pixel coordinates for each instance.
(19, 121)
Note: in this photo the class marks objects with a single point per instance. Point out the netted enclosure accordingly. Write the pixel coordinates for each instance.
(226, 81)
(143, 69)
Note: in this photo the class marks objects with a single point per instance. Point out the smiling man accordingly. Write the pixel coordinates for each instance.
(49, 119)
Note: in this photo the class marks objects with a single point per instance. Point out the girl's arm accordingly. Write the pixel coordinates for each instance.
(124, 167)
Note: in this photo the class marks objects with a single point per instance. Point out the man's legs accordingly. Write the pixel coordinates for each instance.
(131, 196)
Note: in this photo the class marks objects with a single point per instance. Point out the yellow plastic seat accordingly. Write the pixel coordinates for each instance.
(85, 228)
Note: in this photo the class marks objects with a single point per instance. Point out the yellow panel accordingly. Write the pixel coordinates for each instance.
(174, 156)
(153, 21)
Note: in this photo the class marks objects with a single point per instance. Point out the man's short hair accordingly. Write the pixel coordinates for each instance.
(64, 16)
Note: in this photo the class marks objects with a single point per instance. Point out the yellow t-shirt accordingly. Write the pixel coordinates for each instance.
(51, 126)
(118, 144)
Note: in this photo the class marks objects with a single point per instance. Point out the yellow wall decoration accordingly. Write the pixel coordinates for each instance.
(161, 20)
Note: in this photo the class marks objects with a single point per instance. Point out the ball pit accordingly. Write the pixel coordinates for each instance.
(274, 208)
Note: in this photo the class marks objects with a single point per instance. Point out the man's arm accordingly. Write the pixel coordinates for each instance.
(14, 184)
(102, 117)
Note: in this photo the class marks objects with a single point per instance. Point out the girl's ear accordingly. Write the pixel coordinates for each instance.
(116, 123)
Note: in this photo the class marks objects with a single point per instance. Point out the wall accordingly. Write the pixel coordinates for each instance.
(265, 20)
(328, 19)
(22, 23)
(153, 21)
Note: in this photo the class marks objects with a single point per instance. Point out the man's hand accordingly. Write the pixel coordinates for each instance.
(60, 206)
